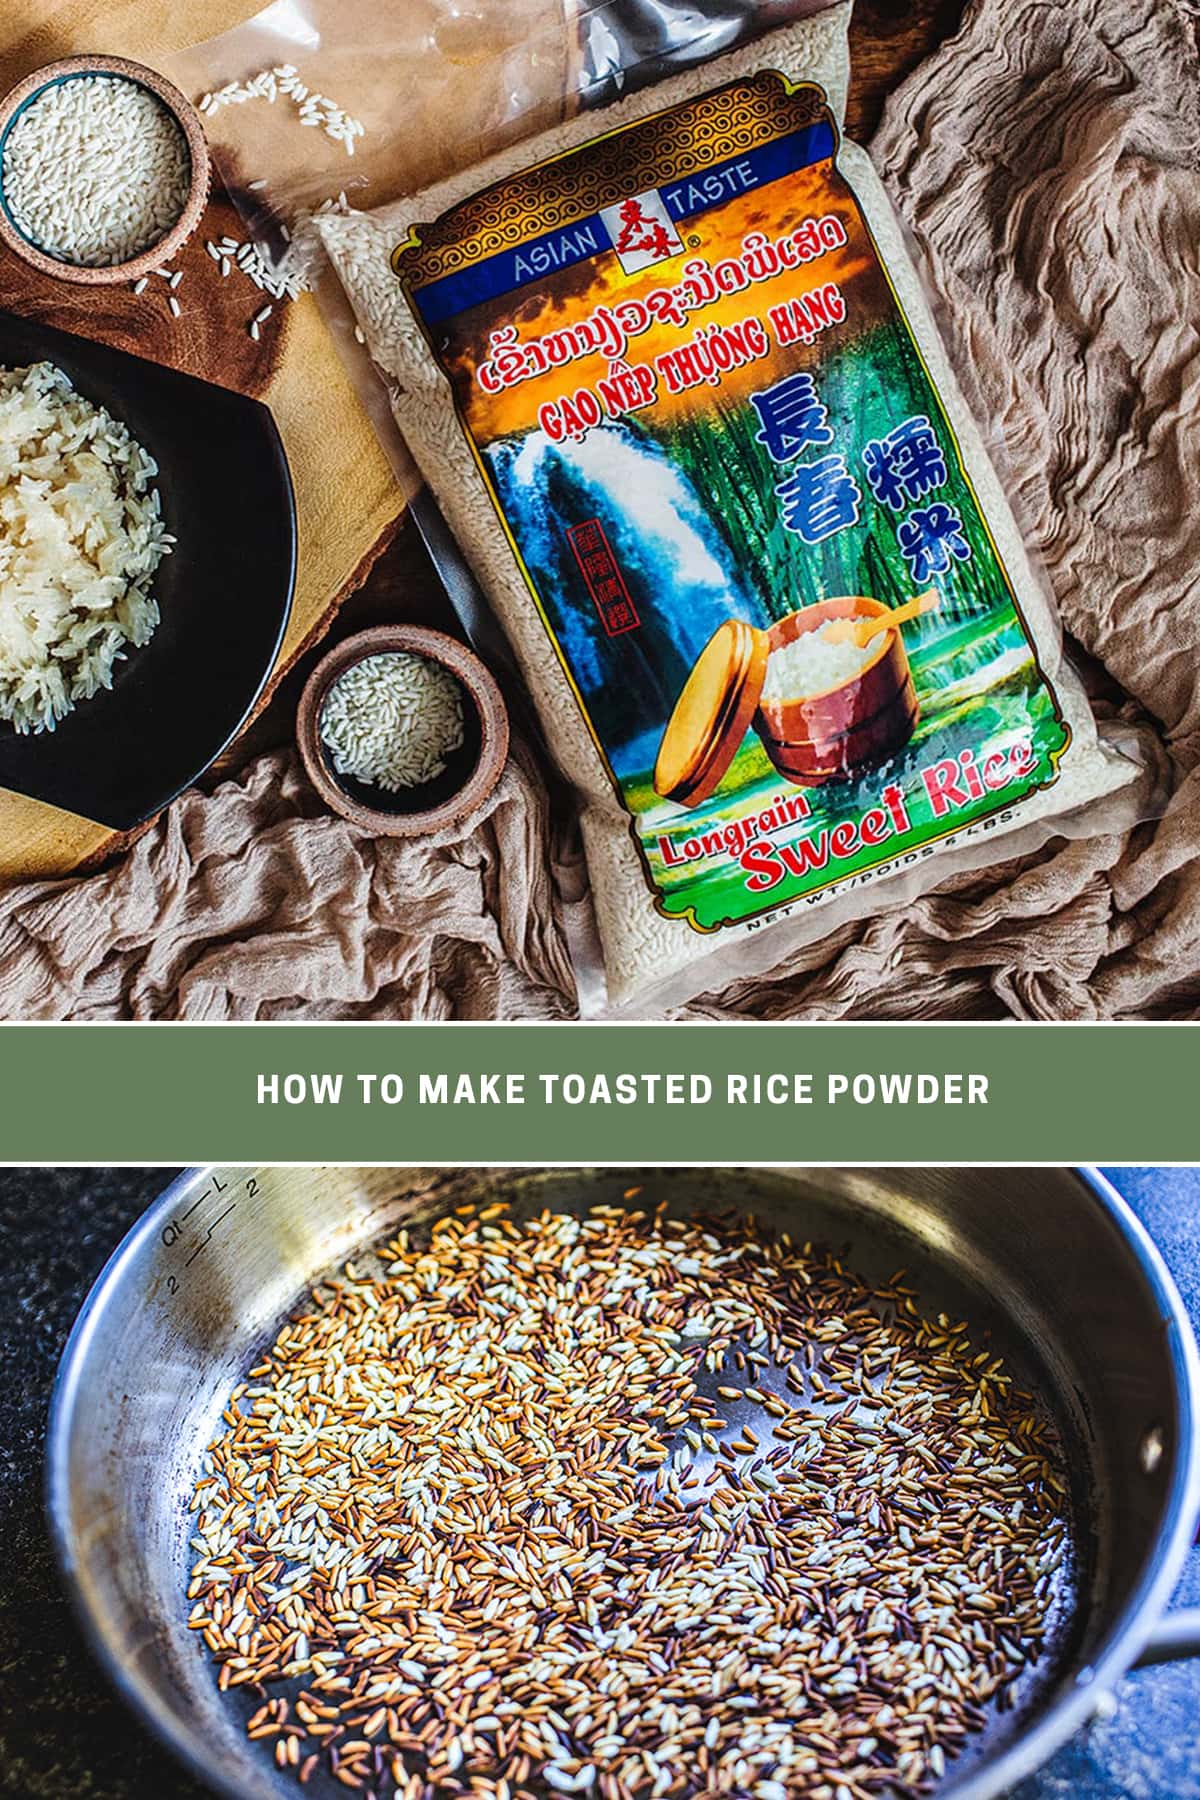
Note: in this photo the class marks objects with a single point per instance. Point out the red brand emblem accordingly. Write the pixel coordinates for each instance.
(605, 582)
(640, 231)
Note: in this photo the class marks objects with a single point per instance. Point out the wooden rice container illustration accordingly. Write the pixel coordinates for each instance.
(828, 735)
(831, 735)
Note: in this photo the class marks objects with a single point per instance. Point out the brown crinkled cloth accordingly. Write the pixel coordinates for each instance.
(1046, 160)
(256, 903)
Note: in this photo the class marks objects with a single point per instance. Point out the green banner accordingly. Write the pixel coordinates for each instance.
(607, 1093)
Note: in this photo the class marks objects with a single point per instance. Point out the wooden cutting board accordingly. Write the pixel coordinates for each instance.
(347, 498)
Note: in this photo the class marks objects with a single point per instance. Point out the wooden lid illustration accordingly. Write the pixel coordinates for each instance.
(712, 714)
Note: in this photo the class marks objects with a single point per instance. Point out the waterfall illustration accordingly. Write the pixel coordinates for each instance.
(678, 568)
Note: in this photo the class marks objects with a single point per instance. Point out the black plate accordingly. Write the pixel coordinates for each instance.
(224, 592)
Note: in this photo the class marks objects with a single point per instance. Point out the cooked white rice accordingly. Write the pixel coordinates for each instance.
(810, 664)
(96, 170)
(81, 536)
(393, 720)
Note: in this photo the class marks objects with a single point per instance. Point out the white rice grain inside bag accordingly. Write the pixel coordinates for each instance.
(672, 378)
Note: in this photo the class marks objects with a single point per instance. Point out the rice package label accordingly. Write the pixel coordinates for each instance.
(742, 502)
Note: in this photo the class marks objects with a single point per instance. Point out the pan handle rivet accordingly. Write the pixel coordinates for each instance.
(1150, 1451)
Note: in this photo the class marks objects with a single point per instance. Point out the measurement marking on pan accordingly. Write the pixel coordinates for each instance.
(172, 1233)
(208, 1234)
(218, 1187)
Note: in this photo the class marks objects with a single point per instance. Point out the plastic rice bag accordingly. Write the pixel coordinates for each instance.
(670, 373)
(673, 380)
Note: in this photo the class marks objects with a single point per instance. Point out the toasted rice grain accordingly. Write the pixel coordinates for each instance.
(459, 1532)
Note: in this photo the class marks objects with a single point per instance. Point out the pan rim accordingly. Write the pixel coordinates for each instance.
(1115, 1655)
(1119, 1649)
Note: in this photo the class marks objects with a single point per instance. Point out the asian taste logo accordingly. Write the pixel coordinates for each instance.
(641, 231)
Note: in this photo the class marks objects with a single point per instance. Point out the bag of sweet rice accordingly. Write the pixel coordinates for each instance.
(671, 375)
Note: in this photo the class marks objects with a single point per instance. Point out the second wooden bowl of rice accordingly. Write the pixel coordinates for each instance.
(402, 730)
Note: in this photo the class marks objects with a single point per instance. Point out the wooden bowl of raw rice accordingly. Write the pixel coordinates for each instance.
(104, 170)
(402, 730)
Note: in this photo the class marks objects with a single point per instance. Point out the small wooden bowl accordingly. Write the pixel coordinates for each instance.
(188, 121)
(836, 734)
(472, 771)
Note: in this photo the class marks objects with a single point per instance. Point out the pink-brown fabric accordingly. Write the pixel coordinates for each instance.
(1046, 161)
(255, 902)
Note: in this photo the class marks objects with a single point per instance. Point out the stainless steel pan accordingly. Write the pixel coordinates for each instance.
(1052, 1261)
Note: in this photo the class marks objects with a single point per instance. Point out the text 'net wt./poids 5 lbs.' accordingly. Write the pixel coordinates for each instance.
(670, 372)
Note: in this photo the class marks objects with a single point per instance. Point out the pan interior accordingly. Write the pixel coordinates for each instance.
(872, 1240)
